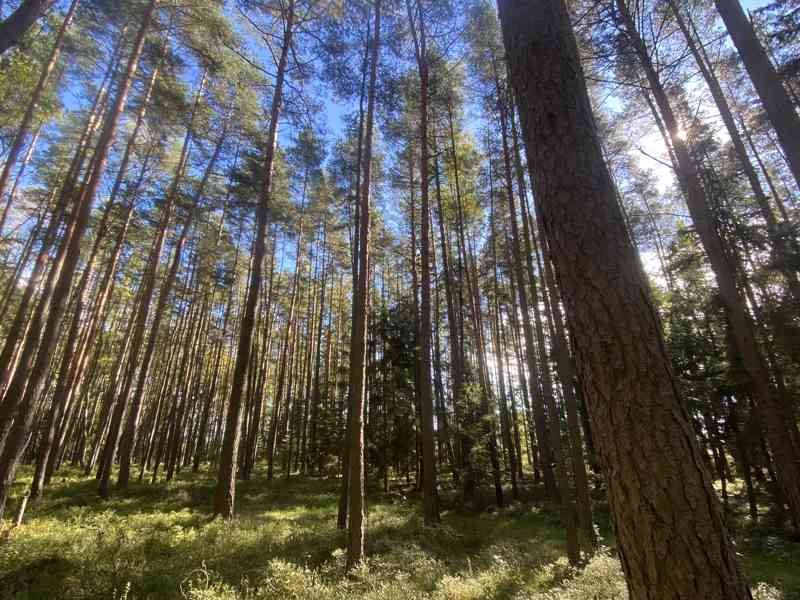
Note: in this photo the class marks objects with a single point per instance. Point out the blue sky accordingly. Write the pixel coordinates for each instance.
(336, 110)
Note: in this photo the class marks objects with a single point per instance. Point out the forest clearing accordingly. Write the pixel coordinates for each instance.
(400, 299)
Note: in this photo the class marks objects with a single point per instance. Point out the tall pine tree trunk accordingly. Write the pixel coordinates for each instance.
(130, 433)
(429, 486)
(226, 479)
(774, 97)
(669, 528)
(358, 336)
(778, 427)
(33, 105)
(28, 386)
(706, 69)
(143, 310)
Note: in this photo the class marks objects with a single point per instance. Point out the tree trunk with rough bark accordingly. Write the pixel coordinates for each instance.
(669, 527)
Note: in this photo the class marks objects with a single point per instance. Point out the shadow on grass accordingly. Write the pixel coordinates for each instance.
(153, 538)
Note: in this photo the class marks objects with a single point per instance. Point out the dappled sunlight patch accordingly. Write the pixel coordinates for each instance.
(500, 579)
(764, 591)
(203, 584)
(284, 544)
(289, 581)
(457, 587)
(601, 579)
(423, 570)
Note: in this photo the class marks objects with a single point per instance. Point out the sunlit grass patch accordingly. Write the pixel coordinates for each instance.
(160, 541)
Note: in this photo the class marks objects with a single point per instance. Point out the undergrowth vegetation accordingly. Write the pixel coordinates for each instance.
(161, 542)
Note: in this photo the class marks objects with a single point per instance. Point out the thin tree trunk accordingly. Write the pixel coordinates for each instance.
(778, 427)
(33, 105)
(15, 445)
(17, 329)
(774, 97)
(416, 18)
(706, 69)
(73, 360)
(130, 433)
(358, 336)
(12, 194)
(226, 480)
(143, 310)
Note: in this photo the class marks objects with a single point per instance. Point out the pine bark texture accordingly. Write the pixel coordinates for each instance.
(672, 540)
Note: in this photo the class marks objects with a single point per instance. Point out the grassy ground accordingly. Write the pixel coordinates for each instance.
(160, 542)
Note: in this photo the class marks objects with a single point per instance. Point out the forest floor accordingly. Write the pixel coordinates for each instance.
(159, 541)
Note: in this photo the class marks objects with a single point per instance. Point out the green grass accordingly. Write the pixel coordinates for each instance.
(159, 541)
